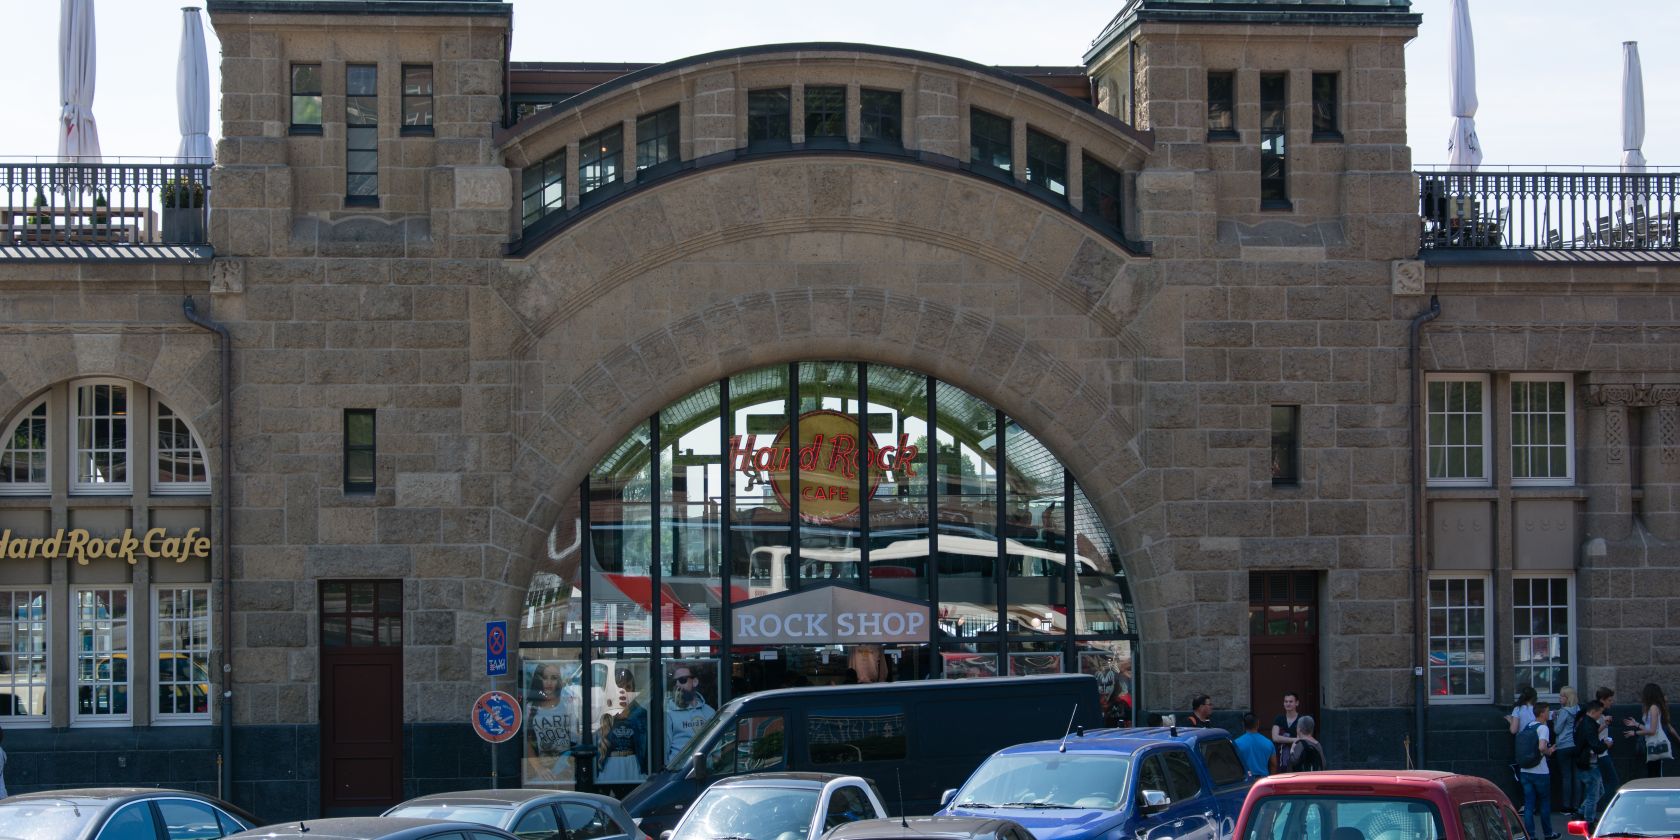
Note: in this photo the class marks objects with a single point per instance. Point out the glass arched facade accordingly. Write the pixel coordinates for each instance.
(717, 533)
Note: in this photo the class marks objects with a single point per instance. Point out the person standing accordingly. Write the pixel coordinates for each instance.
(1563, 736)
(1588, 752)
(686, 711)
(1201, 711)
(1606, 697)
(1306, 754)
(1283, 726)
(1258, 756)
(1655, 728)
(1522, 714)
(1537, 780)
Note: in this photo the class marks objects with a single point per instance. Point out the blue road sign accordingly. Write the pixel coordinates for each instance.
(496, 716)
(495, 648)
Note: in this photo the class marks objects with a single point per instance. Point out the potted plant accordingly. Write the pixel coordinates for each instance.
(38, 225)
(183, 211)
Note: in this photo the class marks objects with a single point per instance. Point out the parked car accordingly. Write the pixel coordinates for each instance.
(120, 814)
(1187, 783)
(931, 828)
(778, 806)
(1378, 805)
(529, 814)
(376, 828)
(1641, 808)
(929, 734)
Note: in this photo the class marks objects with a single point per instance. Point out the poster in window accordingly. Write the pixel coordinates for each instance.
(553, 721)
(691, 690)
(960, 666)
(1028, 664)
(623, 724)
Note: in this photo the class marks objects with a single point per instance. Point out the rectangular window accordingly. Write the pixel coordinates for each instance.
(825, 112)
(99, 635)
(1457, 429)
(863, 733)
(306, 99)
(1326, 113)
(1286, 444)
(881, 117)
(183, 652)
(359, 450)
(180, 464)
(99, 439)
(24, 648)
(656, 138)
(1102, 192)
(361, 613)
(417, 99)
(361, 135)
(598, 160)
(543, 188)
(1222, 105)
(1046, 162)
(1542, 430)
(1542, 632)
(1458, 639)
(768, 117)
(1274, 173)
(989, 146)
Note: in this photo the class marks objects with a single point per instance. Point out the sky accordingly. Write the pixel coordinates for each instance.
(1548, 71)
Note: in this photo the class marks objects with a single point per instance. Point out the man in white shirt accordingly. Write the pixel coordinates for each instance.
(1537, 781)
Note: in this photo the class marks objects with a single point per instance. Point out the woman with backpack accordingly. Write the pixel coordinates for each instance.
(1522, 714)
(1563, 735)
(1656, 729)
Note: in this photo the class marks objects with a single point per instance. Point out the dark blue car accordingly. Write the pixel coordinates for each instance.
(1112, 784)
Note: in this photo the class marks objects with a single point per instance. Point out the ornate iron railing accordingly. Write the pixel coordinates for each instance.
(99, 203)
(1581, 211)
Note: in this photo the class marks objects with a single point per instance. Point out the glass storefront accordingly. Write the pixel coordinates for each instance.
(814, 523)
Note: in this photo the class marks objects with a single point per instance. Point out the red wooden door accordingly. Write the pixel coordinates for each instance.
(361, 696)
(1282, 642)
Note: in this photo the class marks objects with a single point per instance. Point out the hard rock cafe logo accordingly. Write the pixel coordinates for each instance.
(829, 489)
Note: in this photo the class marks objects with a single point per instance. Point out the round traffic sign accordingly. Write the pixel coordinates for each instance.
(496, 716)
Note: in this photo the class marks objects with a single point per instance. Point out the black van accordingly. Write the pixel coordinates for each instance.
(913, 739)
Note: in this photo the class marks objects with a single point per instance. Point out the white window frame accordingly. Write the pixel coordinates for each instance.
(1487, 642)
(1568, 429)
(159, 648)
(93, 720)
(113, 488)
(183, 488)
(1486, 477)
(44, 684)
(1571, 611)
(30, 488)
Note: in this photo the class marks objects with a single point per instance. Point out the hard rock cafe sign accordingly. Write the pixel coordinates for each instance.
(829, 489)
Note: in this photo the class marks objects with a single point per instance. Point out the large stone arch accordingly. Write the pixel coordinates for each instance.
(790, 259)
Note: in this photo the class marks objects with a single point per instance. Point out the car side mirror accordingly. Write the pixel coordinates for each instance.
(946, 797)
(1155, 801)
(1577, 827)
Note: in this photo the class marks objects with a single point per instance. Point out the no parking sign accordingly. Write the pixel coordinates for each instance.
(495, 648)
(495, 716)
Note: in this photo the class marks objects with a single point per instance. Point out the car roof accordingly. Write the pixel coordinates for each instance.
(509, 797)
(1121, 740)
(1372, 781)
(917, 828)
(789, 779)
(1665, 783)
(99, 797)
(361, 828)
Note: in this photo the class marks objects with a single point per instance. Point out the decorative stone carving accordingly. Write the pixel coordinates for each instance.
(1668, 434)
(1615, 434)
(1406, 276)
(227, 276)
(1632, 396)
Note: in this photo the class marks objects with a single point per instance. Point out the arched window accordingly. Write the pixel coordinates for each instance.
(23, 463)
(180, 466)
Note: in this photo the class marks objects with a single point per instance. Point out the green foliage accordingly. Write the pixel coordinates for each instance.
(183, 192)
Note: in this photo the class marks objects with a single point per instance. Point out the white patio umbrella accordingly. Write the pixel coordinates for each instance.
(1633, 109)
(1463, 148)
(78, 137)
(192, 90)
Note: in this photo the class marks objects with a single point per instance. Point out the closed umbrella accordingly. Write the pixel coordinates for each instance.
(1463, 148)
(1633, 109)
(192, 91)
(78, 137)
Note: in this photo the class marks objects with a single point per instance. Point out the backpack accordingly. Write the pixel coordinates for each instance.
(1528, 747)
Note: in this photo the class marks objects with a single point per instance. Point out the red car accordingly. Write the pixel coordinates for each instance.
(1378, 805)
(1641, 808)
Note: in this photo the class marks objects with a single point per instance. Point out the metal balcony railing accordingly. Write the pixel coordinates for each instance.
(101, 203)
(1549, 210)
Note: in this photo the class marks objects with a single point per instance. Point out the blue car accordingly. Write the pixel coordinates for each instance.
(1112, 784)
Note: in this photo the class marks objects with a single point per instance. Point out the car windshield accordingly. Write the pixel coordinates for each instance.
(482, 814)
(741, 812)
(45, 819)
(1641, 813)
(1343, 818)
(1057, 780)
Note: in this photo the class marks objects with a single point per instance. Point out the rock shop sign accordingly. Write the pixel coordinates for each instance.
(830, 615)
(829, 489)
(79, 545)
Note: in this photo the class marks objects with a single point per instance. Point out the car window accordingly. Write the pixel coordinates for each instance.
(1222, 762)
(1513, 824)
(1475, 822)
(754, 744)
(750, 812)
(854, 735)
(132, 822)
(1152, 775)
(586, 822)
(1181, 776)
(540, 824)
(188, 819)
(479, 835)
(847, 804)
(230, 823)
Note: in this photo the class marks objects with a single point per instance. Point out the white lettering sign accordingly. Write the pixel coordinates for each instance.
(831, 614)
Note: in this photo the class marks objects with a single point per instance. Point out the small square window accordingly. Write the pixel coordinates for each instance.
(599, 159)
(656, 138)
(359, 450)
(769, 118)
(989, 144)
(825, 112)
(417, 99)
(881, 117)
(306, 99)
(1286, 444)
(543, 188)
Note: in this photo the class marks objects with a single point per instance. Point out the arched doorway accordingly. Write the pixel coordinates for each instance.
(707, 532)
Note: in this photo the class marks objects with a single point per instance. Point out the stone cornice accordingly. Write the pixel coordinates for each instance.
(1631, 396)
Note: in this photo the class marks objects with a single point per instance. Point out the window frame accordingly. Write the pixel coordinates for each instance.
(608, 163)
(1042, 171)
(419, 129)
(831, 116)
(76, 485)
(1571, 620)
(1486, 478)
(45, 684)
(554, 164)
(875, 115)
(77, 718)
(353, 198)
(665, 145)
(1093, 174)
(371, 447)
(160, 717)
(1332, 133)
(982, 163)
(1277, 186)
(1568, 479)
(764, 130)
(293, 126)
(1489, 658)
(1287, 474)
(32, 488)
(1230, 103)
(181, 488)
